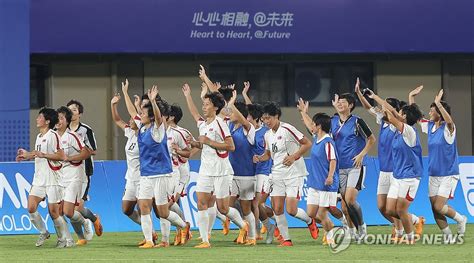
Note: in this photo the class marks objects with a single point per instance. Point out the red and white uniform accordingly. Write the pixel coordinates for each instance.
(132, 175)
(46, 180)
(175, 136)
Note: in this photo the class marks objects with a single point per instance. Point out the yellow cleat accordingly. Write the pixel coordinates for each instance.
(226, 226)
(203, 245)
(251, 242)
(185, 234)
(148, 244)
(419, 226)
(243, 234)
(154, 238)
(163, 244)
(325, 241)
(263, 230)
(177, 238)
(81, 242)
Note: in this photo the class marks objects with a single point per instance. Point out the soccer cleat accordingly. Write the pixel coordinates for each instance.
(243, 233)
(61, 243)
(270, 232)
(70, 243)
(394, 231)
(263, 230)
(419, 226)
(98, 226)
(185, 234)
(148, 244)
(203, 245)
(162, 244)
(251, 242)
(141, 243)
(177, 238)
(286, 243)
(259, 237)
(325, 240)
(276, 233)
(42, 238)
(81, 242)
(313, 229)
(462, 226)
(200, 238)
(280, 238)
(88, 229)
(226, 226)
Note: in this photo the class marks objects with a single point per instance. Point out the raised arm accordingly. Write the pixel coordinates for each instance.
(189, 101)
(303, 108)
(115, 115)
(240, 118)
(245, 93)
(393, 120)
(137, 103)
(205, 79)
(156, 110)
(413, 93)
(384, 104)
(446, 116)
(128, 102)
(204, 90)
(335, 101)
(361, 97)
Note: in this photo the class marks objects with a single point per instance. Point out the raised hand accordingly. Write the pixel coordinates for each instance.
(115, 99)
(357, 86)
(202, 73)
(233, 98)
(246, 87)
(302, 105)
(218, 85)
(439, 96)
(335, 100)
(153, 92)
(416, 91)
(136, 101)
(125, 86)
(186, 90)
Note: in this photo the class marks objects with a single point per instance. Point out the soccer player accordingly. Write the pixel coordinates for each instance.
(47, 155)
(407, 163)
(74, 176)
(132, 176)
(285, 145)
(386, 135)
(323, 182)
(353, 141)
(443, 165)
(243, 183)
(156, 171)
(215, 172)
(87, 135)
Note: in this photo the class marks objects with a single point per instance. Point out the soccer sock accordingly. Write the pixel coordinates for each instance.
(235, 217)
(165, 227)
(353, 215)
(220, 216)
(414, 219)
(358, 211)
(266, 223)
(135, 217)
(252, 228)
(363, 229)
(212, 212)
(399, 232)
(176, 220)
(458, 217)
(301, 215)
(353, 231)
(203, 222)
(410, 235)
(66, 232)
(59, 228)
(175, 208)
(147, 227)
(77, 220)
(283, 226)
(38, 222)
(87, 213)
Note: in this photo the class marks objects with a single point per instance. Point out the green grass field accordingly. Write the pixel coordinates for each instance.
(121, 247)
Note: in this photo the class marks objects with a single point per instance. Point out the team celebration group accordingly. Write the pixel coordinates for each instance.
(247, 155)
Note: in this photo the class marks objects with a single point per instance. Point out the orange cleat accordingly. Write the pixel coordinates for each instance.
(243, 234)
(286, 243)
(251, 242)
(226, 226)
(419, 226)
(162, 244)
(203, 245)
(148, 244)
(263, 230)
(185, 234)
(98, 226)
(313, 229)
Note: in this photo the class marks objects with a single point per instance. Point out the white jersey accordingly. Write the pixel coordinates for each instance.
(186, 133)
(282, 143)
(47, 172)
(132, 154)
(214, 162)
(72, 145)
(175, 137)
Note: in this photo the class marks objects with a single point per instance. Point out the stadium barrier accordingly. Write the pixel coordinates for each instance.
(108, 185)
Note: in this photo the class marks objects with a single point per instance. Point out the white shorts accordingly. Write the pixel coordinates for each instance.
(403, 188)
(351, 177)
(161, 188)
(384, 182)
(220, 186)
(73, 191)
(53, 192)
(261, 180)
(287, 187)
(131, 191)
(321, 198)
(443, 186)
(243, 187)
